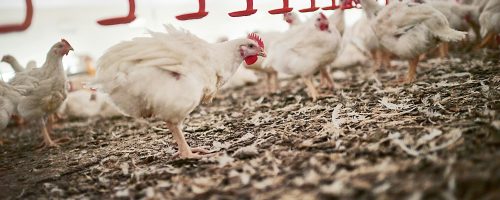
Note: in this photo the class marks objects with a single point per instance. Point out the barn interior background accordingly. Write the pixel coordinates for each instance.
(76, 20)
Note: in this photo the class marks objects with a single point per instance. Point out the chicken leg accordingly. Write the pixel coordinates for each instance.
(19, 121)
(487, 40)
(272, 81)
(378, 57)
(386, 59)
(443, 50)
(184, 150)
(310, 86)
(326, 80)
(412, 70)
(46, 130)
(47, 141)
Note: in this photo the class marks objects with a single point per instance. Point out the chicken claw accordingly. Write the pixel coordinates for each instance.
(184, 150)
(195, 153)
(47, 141)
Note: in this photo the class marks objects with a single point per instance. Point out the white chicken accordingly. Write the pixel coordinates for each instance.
(292, 19)
(9, 97)
(304, 50)
(481, 4)
(12, 61)
(45, 89)
(269, 39)
(490, 23)
(241, 77)
(359, 45)
(271, 74)
(88, 104)
(408, 30)
(167, 75)
(363, 31)
(460, 17)
(337, 19)
(353, 50)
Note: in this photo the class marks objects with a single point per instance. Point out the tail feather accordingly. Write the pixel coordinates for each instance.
(448, 34)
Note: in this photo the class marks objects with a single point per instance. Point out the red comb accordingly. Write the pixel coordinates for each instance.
(257, 39)
(65, 42)
(322, 16)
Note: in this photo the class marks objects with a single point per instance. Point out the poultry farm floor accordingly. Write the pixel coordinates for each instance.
(371, 138)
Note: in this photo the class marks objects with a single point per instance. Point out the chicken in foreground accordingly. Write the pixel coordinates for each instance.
(304, 50)
(12, 61)
(44, 90)
(409, 30)
(167, 75)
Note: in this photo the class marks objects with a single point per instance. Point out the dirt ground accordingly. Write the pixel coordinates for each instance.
(370, 138)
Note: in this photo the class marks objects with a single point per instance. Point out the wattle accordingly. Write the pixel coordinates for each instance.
(250, 60)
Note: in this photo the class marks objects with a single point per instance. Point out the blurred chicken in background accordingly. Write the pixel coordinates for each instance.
(12, 61)
(409, 30)
(269, 39)
(461, 17)
(490, 24)
(304, 50)
(43, 89)
(88, 104)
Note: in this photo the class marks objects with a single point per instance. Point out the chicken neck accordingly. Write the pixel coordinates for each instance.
(228, 58)
(53, 65)
(15, 65)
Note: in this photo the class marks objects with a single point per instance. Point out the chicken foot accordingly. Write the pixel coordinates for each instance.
(47, 141)
(326, 80)
(310, 86)
(185, 151)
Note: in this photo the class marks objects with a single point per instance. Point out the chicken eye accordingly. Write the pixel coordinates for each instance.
(251, 45)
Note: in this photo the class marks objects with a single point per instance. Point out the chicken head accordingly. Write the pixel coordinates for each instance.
(62, 48)
(322, 22)
(254, 48)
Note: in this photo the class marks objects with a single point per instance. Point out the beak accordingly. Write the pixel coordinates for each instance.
(69, 48)
(262, 53)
